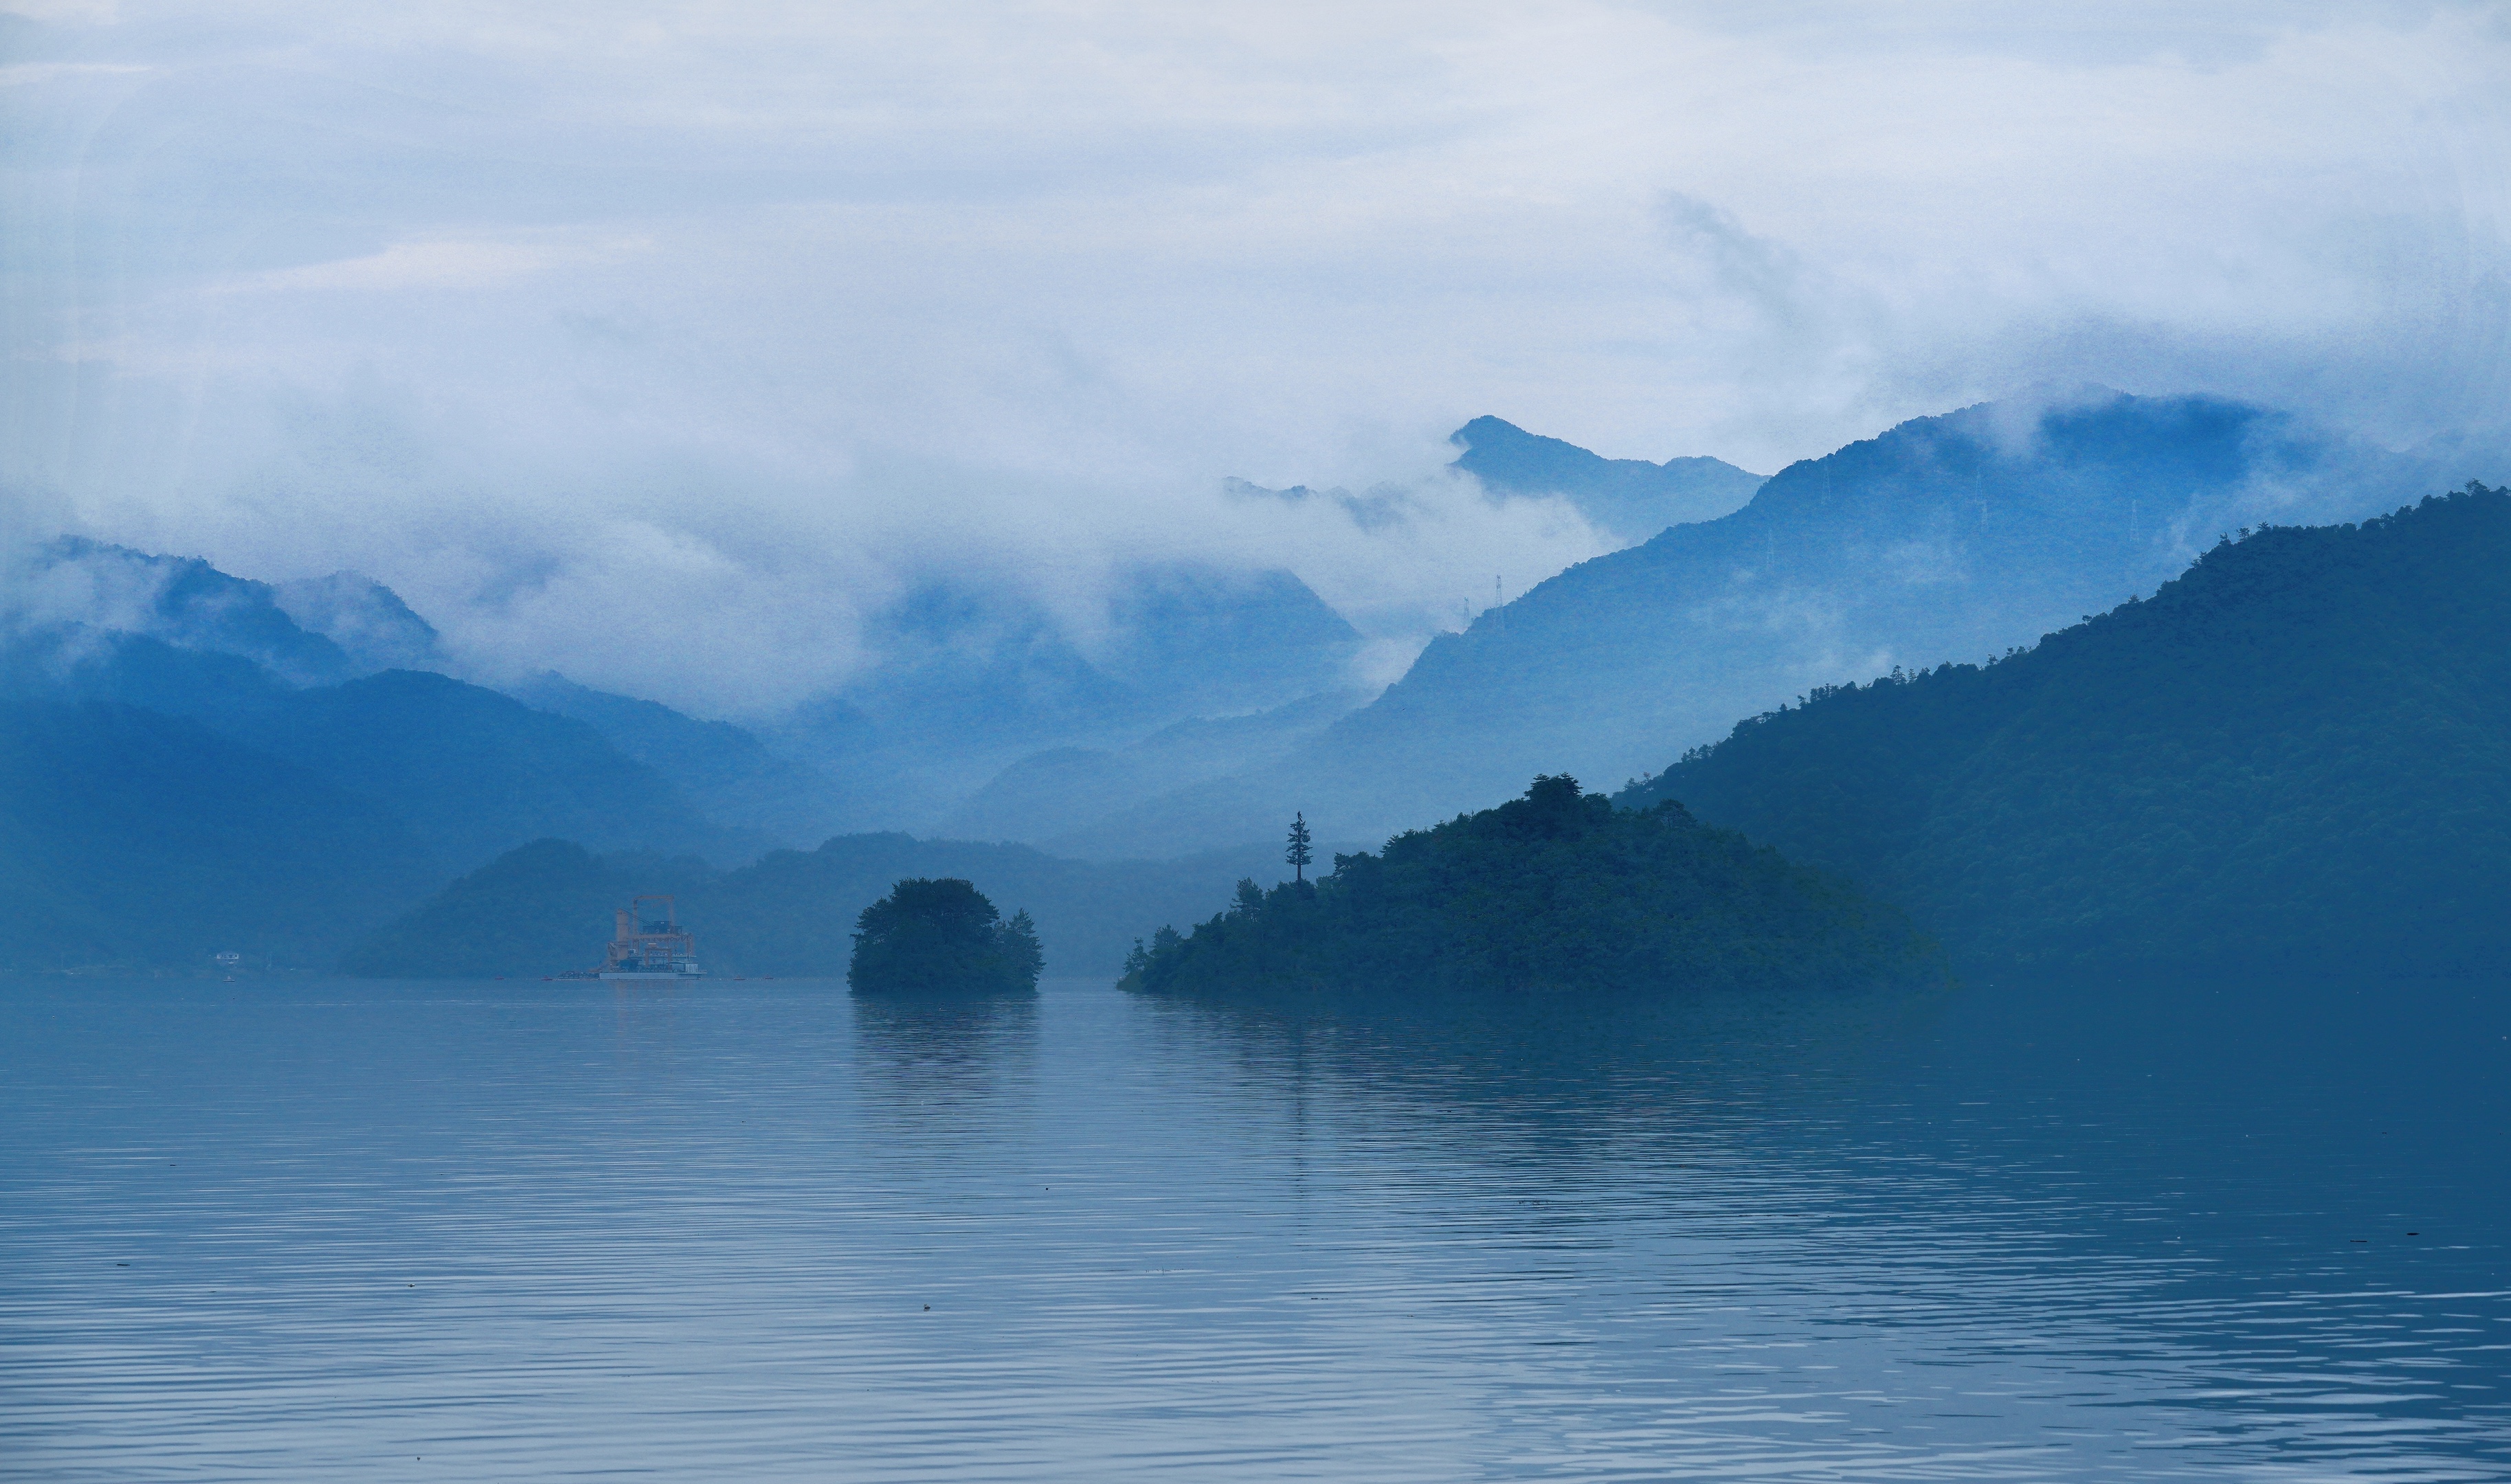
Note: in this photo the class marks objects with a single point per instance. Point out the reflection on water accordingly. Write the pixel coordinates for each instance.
(761, 1231)
(944, 1078)
(949, 1039)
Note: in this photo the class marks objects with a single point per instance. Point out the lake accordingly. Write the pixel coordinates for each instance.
(337, 1230)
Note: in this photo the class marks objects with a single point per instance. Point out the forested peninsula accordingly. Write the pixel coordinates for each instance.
(1558, 890)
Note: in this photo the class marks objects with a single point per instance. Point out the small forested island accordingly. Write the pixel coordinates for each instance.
(1558, 890)
(943, 936)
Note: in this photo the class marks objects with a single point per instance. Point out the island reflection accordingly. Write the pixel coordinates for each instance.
(944, 1048)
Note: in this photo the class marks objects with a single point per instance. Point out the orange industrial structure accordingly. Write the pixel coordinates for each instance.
(649, 947)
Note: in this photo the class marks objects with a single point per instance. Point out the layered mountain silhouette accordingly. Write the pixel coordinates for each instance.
(2298, 754)
(546, 907)
(268, 728)
(1630, 499)
(131, 839)
(1952, 537)
(263, 725)
(1281, 642)
(726, 772)
(76, 586)
(469, 770)
(971, 680)
(365, 618)
(192, 770)
(1049, 793)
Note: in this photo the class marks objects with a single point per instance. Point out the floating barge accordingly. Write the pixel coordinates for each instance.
(647, 946)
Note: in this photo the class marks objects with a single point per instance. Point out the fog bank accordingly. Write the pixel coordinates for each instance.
(662, 344)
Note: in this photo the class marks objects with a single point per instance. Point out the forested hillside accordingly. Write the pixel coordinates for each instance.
(2296, 753)
(1558, 890)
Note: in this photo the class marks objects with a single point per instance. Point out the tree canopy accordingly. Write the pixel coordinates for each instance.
(943, 934)
(1556, 891)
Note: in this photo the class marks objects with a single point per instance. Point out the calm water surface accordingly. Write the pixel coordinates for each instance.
(752, 1231)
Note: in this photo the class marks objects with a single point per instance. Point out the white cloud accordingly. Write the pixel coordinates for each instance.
(87, 11)
(37, 74)
(778, 301)
(415, 265)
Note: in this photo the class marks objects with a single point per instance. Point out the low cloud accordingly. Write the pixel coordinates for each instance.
(663, 343)
(450, 265)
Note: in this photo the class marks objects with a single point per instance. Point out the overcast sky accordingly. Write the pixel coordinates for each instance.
(656, 341)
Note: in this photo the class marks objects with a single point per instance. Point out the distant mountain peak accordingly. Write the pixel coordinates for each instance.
(368, 619)
(1630, 499)
(2159, 471)
(1958, 536)
(308, 631)
(179, 601)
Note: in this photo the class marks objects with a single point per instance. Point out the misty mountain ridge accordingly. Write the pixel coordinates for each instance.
(1958, 535)
(1180, 639)
(1375, 509)
(970, 680)
(366, 620)
(258, 662)
(2298, 753)
(728, 773)
(1629, 498)
(1200, 710)
(73, 585)
(191, 766)
(470, 772)
(158, 805)
(1056, 795)
(1626, 500)
(1053, 793)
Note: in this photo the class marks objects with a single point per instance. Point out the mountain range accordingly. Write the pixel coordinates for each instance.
(1627, 499)
(971, 680)
(280, 748)
(1952, 537)
(169, 727)
(131, 839)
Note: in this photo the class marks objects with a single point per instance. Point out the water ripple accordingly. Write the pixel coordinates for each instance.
(753, 1231)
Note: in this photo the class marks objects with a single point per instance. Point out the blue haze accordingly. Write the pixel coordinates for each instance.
(1954, 537)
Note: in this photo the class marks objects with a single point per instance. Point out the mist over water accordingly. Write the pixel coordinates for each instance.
(2151, 1230)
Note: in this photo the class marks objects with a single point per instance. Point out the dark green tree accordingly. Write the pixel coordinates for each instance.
(929, 935)
(1298, 854)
